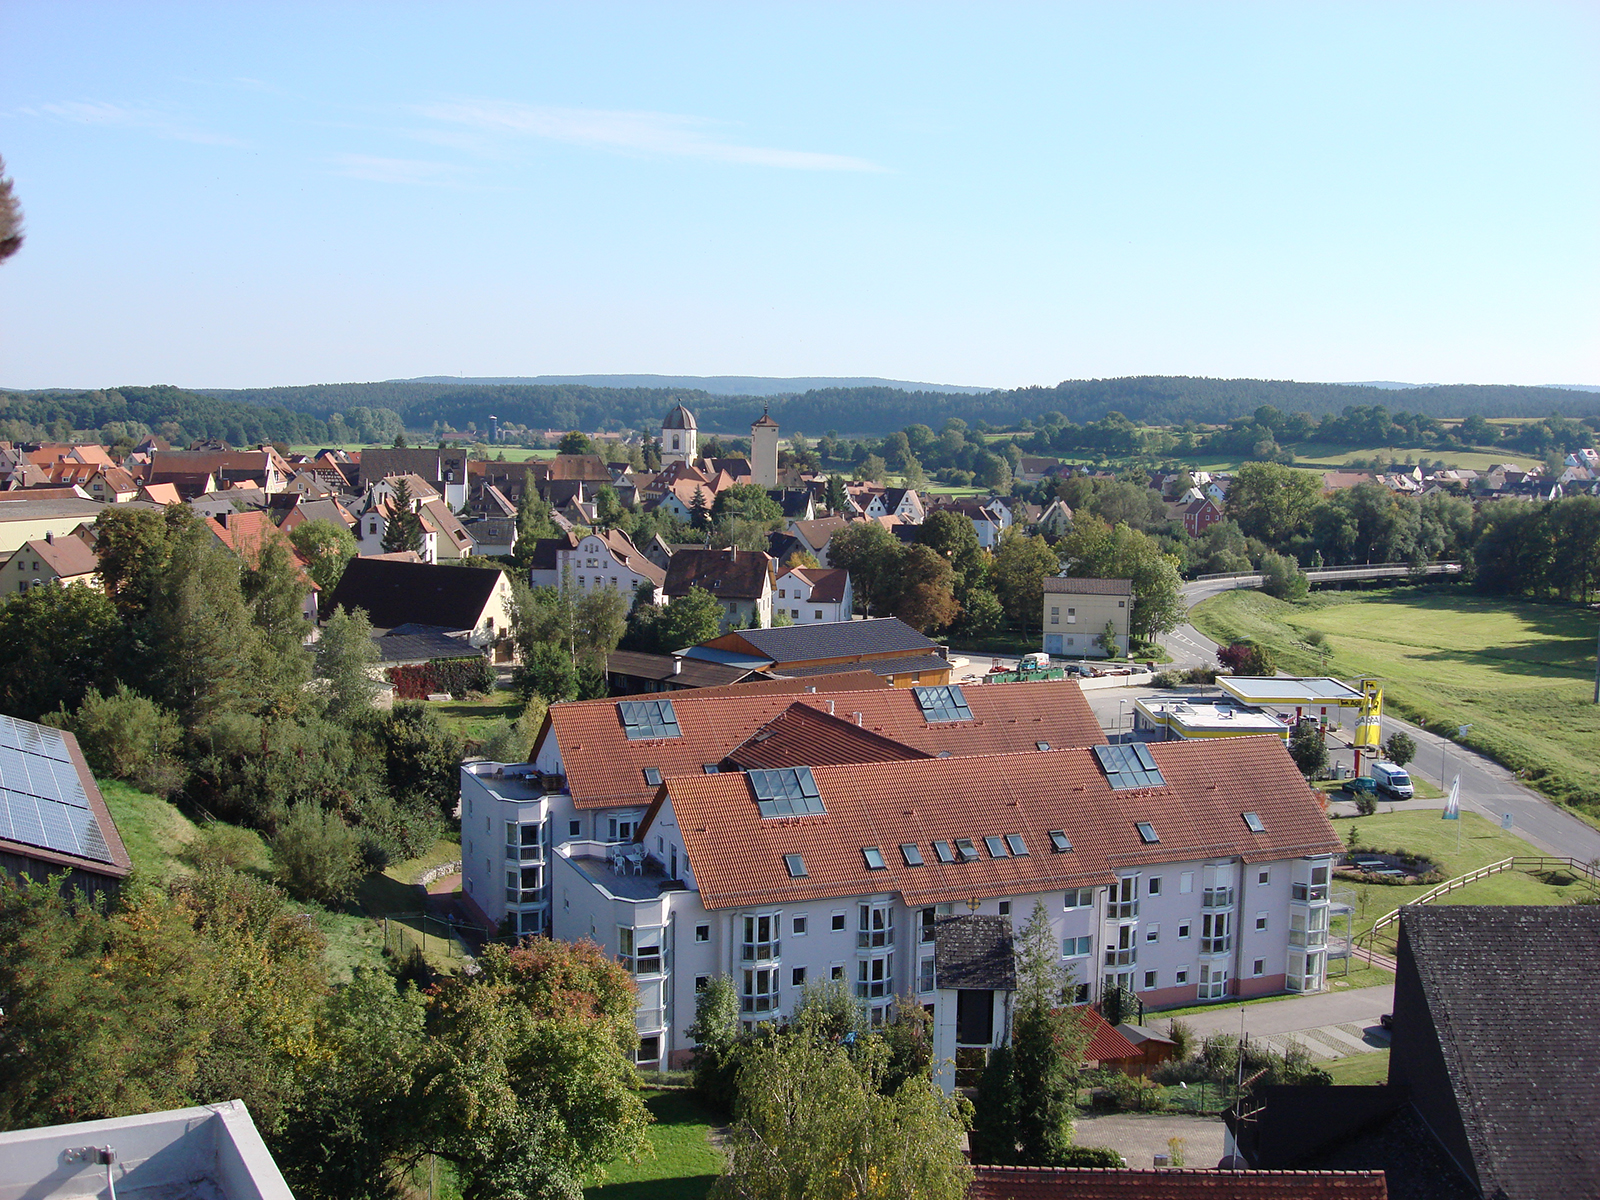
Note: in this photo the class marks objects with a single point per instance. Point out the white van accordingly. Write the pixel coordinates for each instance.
(1391, 778)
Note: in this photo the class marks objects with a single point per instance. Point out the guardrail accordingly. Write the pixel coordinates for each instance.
(1348, 571)
(1526, 862)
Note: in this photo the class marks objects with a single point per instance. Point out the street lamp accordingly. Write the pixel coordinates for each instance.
(1120, 705)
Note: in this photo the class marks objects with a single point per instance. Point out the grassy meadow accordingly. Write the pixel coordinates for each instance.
(683, 1163)
(1521, 674)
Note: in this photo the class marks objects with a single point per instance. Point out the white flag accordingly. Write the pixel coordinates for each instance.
(1452, 806)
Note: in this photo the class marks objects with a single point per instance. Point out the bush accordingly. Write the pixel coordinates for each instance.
(318, 856)
(458, 676)
(1127, 1093)
(1089, 1156)
(1182, 1035)
(128, 736)
(1366, 805)
(223, 845)
(1167, 679)
(1246, 658)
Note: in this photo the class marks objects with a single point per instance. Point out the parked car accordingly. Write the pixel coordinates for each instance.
(1387, 1020)
(1359, 785)
(1391, 779)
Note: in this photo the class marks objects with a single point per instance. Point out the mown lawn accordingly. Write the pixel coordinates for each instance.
(1320, 453)
(1355, 1069)
(684, 1163)
(1521, 674)
(473, 719)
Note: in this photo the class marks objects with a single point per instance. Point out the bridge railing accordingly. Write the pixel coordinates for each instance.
(1348, 570)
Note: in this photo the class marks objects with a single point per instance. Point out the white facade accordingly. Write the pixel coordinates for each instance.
(593, 565)
(505, 841)
(764, 452)
(795, 596)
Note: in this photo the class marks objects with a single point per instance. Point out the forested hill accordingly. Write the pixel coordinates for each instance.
(716, 385)
(375, 412)
(1147, 399)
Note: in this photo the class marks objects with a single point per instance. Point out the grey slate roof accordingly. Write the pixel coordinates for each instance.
(974, 951)
(1508, 993)
(420, 643)
(839, 639)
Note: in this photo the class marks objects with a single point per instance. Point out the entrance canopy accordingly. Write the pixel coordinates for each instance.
(1305, 692)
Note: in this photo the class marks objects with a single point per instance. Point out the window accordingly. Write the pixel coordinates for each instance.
(1041, 745)
(942, 703)
(926, 920)
(1152, 933)
(709, 768)
(1055, 614)
(1124, 898)
(786, 792)
(783, 593)
(620, 830)
(836, 971)
(760, 992)
(574, 828)
(1124, 952)
(1072, 616)
(1016, 845)
(1253, 823)
(522, 842)
(796, 865)
(1154, 889)
(1181, 976)
(1079, 898)
(1263, 878)
(760, 937)
(912, 853)
(700, 982)
(639, 950)
(1147, 832)
(942, 849)
(652, 776)
(798, 926)
(874, 858)
(817, 615)
(1259, 967)
(1215, 937)
(997, 847)
(838, 922)
(649, 1049)
(798, 977)
(1183, 932)
(1149, 980)
(925, 973)
(1213, 982)
(642, 719)
(876, 926)
(873, 978)
(1059, 842)
(702, 933)
(1261, 922)
(1005, 908)
(1077, 947)
(1186, 883)
(968, 852)
(794, 614)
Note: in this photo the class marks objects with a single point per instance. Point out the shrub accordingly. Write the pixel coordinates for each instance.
(128, 736)
(1167, 679)
(1366, 805)
(1127, 1093)
(1089, 1156)
(458, 676)
(1200, 675)
(1182, 1035)
(1401, 748)
(318, 856)
(1246, 658)
(223, 845)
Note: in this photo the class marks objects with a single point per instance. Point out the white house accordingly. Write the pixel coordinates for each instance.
(600, 560)
(812, 595)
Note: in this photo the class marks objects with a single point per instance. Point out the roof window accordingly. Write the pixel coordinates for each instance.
(643, 719)
(1147, 833)
(709, 768)
(1253, 821)
(1018, 846)
(1129, 766)
(968, 852)
(942, 849)
(874, 858)
(786, 792)
(997, 847)
(796, 865)
(912, 853)
(652, 776)
(1060, 843)
(942, 703)
(1042, 745)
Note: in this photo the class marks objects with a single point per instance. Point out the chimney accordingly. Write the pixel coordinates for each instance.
(857, 716)
(677, 666)
(49, 538)
(830, 708)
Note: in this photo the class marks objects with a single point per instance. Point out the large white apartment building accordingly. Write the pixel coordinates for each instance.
(897, 843)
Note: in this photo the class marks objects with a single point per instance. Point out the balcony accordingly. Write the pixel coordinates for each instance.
(1308, 893)
(759, 952)
(1216, 945)
(1121, 958)
(1221, 897)
(1311, 938)
(874, 939)
(1122, 910)
(527, 854)
(762, 1003)
(524, 895)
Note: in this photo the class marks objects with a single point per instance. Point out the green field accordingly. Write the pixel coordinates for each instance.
(1356, 1069)
(1317, 454)
(684, 1163)
(473, 718)
(1521, 674)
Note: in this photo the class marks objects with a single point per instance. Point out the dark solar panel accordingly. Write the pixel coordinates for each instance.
(42, 800)
(1129, 767)
(786, 792)
(942, 703)
(649, 719)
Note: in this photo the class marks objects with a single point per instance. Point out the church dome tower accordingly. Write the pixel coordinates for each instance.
(680, 437)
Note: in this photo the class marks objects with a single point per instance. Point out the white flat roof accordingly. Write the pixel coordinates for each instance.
(1209, 716)
(1269, 689)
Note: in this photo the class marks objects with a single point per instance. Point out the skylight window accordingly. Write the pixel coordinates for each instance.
(942, 849)
(1042, 745)
(643, 719)
(1129, 766)
(796, 865)
(997, 847)
(709, 768)
(874, 858)
(1018, 846)
(1147, 833)
(1253, 821)
(942, 703)
(786, 792)
(968, 852)
(1060, 843)
(652, 776)
(912, 853)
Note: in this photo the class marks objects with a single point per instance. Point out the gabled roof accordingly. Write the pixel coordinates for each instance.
(420, 644)
(604, 769)
(726, 574)
(51, 810)
(803, 734)
(1516, 1028)
(1106, 1042)
(817, 533)
(394, 593)
(1165, 1183)
(1076, 586)
(826, 583)
(737, 855)
(571, 468)
(68, 556)
(684, 672)
(905, 664)
(828, 640)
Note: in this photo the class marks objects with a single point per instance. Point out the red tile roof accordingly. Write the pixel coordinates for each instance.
(737, 856)
(1105, 1043)
(606, 770)
(803, 734)
(1106, 1183)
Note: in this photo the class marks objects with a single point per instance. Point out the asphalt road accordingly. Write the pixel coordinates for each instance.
(1486, 787)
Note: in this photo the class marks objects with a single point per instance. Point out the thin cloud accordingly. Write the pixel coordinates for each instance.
(664, 134)
(393, 170)
(128, 116)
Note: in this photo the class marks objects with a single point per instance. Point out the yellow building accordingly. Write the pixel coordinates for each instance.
(1076, 612)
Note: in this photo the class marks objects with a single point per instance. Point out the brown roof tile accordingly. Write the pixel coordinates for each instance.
(1108, 1183)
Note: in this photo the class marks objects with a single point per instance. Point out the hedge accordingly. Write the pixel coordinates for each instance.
(458, 676)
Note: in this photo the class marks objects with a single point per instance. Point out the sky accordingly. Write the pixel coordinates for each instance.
(255, 194)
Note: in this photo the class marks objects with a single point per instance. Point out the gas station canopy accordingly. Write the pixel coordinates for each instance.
(1303, 693)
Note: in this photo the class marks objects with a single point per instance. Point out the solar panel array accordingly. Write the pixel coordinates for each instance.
(942, 703)
(42, 801)
(1129, 766)
(648, 719)
(786, 792)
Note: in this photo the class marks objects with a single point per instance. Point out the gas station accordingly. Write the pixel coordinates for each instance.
(1318, 693)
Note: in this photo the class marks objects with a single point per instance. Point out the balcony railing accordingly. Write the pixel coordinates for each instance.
(1216, 945)
(1221, 897)
(868, 939)
(1308, 893)
(525, 853)
(1308, 937)
(1121, 958)
(758, 951)
(1122, 910)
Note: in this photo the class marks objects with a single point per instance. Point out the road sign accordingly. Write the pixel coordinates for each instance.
(1505, 820)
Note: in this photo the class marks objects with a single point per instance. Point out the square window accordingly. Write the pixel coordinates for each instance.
(1155, 885)
(1005, 908)
(1261, 922)
(1259, 967)
(702, 933)
(836, 971)
(1186, 883)
(700, 982)
(798, 977)
(574, 828)
(838, 922)
(799, 927)
(1152, 933)
(1181, 977)
(1077, 947)
(1183, 932)
(1149, 980)
(1264, 878)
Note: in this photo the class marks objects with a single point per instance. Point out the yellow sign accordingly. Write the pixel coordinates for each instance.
(1368, 721)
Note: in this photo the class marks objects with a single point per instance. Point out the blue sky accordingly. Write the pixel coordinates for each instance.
(253, 194)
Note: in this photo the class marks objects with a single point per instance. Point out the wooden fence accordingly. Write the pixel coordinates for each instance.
(1519, 863)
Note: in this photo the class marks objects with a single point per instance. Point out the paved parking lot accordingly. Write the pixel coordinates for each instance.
(1139, 1137)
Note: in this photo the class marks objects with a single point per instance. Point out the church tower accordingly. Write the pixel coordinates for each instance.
(680, 437)
(764, 452)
